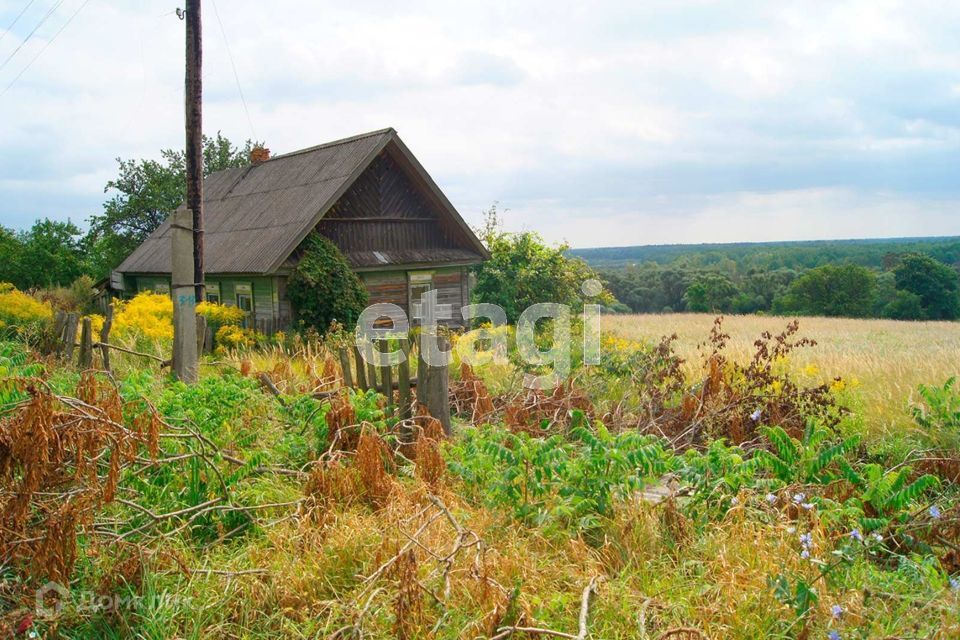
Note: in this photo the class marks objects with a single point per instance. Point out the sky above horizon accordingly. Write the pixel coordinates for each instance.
(600, 124)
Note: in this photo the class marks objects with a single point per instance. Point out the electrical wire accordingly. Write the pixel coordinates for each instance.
(236, 76)
(30, 35)
(48, 43)
(14, 23)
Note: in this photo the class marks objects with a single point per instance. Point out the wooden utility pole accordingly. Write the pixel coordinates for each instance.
(194, 121)
(186, 251)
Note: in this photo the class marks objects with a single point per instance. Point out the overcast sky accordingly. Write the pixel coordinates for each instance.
(600, 123)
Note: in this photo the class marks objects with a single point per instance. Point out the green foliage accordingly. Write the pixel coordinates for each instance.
(888, 496)
(710, 292)
(14, 363)
(554, 480)
(770, 256)
(323, 288)
(718, 473)
(934, 283)
(523, 270)
(814, 459)
(938, 413)
(146, 192)
(759, 278)
(844, 290)
(48, 254)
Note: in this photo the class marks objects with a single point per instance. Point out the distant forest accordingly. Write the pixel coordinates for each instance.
(907, 279)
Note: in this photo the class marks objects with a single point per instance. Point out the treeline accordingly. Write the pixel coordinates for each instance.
(744, 257)
(906, 285)
(57, 254)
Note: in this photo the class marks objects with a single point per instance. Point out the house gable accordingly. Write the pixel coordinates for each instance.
(388, 217)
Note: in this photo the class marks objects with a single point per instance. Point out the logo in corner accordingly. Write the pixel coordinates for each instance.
(51, 598)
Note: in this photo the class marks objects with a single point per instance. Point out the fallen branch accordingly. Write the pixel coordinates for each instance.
(591, 588)
(104, 345)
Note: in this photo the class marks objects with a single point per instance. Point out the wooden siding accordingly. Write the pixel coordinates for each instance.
(267, 314)
(272, 310)
(394, 287)
(385, 211)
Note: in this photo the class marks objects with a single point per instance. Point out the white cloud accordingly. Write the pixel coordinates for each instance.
(605, 123)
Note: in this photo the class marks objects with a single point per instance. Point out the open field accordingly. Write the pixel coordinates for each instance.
(884, 360)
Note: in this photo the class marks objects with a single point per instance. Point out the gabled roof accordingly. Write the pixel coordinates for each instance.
(256, 216)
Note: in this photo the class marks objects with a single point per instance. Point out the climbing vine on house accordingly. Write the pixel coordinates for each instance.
(323, 288)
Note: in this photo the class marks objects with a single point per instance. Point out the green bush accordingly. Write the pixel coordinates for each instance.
(323, 288)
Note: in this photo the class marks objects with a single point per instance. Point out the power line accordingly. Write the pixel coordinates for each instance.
(236, 76)
(13, 24)
(30, 35)
(49, 42)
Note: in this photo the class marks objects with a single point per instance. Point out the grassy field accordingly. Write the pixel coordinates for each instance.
(884, 360)
(638, 501)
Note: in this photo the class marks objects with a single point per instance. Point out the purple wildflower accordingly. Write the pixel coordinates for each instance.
(836, 611)
(771, 499)
(805, 554)
(756, 415)
(806, 540)
(834, 635)
(955, 584)
(934, 512)
(799, 497)
(855, 534)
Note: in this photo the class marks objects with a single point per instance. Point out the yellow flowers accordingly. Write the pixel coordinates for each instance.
(811, 370)
(220, 314)
(838, 385)
(20, 309)
(148, 314)
(232, 337)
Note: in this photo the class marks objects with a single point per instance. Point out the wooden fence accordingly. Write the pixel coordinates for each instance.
(429, 388)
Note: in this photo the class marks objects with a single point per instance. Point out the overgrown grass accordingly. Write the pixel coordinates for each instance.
(800, 531)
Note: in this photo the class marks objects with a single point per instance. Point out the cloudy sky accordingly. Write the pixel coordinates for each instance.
(600, 123)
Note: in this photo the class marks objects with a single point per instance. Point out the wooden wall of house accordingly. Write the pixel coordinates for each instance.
(451, 283)
(267, 313)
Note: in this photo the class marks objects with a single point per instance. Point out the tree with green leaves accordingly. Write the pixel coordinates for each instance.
(710, 292)
(46, 255)
(844, 290)
(932, 282)
(524, 270)
(145, 193)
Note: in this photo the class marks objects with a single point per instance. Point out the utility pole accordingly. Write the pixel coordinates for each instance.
(186, 252)
(194, 121)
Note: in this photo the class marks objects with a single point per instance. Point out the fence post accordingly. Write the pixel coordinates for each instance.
(70, 336)
(386, 377)
(85, 361)
(371, 374)
(433, 385)
(361, 372)
(201, 333)
(59, 321)
(345, 366)
(403, 381)
(105, 338)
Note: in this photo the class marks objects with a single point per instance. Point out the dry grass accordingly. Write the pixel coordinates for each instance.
(884, 360)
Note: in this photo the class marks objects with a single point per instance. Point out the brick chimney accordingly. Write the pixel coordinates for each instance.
(259, 155)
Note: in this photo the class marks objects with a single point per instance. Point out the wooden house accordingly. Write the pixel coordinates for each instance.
(368, 194)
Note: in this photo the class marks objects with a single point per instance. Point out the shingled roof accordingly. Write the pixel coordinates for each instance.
(256, 216)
